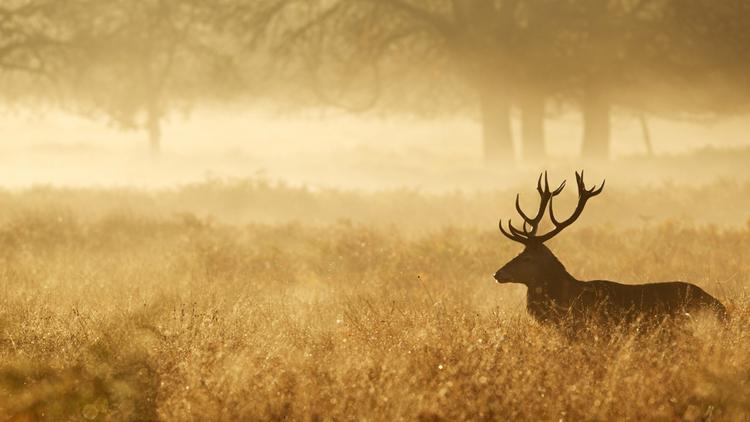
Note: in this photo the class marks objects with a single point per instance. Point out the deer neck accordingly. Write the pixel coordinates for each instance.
(559, 276)
(553, 278)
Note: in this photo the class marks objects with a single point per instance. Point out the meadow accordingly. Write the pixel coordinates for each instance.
(249, 300)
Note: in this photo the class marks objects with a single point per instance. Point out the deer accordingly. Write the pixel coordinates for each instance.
(555, 297)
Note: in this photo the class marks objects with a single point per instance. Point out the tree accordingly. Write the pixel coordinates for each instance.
(687, 60)
(714, 55)
(540, 60)
(609, 45)
(139, 60)
(485, 54)
(33, 41)
(475, 40)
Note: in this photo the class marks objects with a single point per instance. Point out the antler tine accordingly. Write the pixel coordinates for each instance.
(522, 234)
(539, 182)
(583, 196)
(552, 216)
(589, 192)
(510, 236)
(520, 211)
(530, 226)
(502, 230)
(545, 195)
(598, 191)
(559, 189)
(543, 192)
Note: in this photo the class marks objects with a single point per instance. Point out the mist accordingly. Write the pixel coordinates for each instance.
(334, 149)
(432, 210)
(432, 95)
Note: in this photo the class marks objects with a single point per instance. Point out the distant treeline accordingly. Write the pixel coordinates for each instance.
(135, 62)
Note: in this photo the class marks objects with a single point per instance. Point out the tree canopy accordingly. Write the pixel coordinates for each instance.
(136, 62)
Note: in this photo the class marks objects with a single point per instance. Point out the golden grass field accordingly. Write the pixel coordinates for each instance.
(250, 301)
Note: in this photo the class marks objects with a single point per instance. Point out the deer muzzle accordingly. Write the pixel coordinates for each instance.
(502, 277)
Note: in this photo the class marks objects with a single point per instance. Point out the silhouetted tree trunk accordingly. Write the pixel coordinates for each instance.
(596, 123)
(646, 135)
(496, 130)
(153, 126)
(532, 127)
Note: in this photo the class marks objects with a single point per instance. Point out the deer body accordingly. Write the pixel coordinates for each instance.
(554, 295)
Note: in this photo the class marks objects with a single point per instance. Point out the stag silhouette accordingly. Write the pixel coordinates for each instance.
(555, 296)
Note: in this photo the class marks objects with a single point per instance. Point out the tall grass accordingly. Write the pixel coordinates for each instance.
(142, 316)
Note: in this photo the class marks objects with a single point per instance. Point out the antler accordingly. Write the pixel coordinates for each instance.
(526, 235)
(583, 196)
(529, 235)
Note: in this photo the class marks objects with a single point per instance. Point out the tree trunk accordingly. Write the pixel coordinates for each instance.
(496, 129)
(532, 127)
(153, 126)
(646, 135)
(596, 124)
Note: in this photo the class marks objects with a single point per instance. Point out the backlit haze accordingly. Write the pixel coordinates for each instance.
(333, 149)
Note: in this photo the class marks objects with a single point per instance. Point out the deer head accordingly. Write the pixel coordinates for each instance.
(537, 261)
